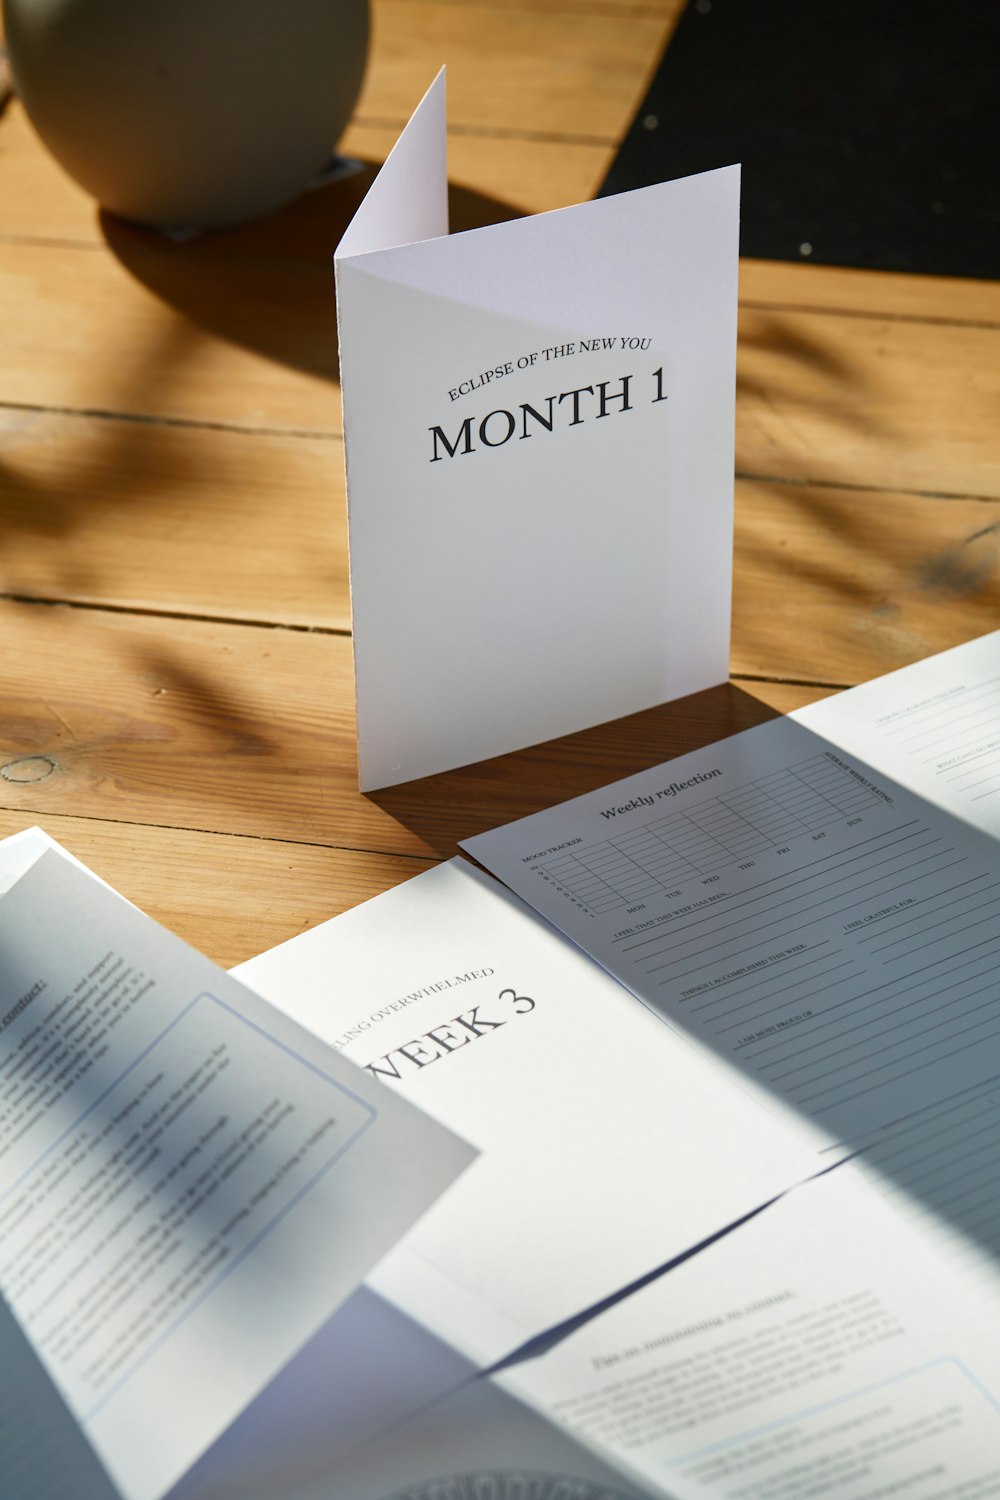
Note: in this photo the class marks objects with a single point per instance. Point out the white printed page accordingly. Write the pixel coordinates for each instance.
(818, 1351)
(190, 1183)
(538, 422)
(608, 1144)
(933, 727)
(829, 936)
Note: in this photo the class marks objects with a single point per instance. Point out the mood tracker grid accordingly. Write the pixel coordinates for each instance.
(720, 831)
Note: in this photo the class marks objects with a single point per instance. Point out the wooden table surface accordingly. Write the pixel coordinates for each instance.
(176, 695)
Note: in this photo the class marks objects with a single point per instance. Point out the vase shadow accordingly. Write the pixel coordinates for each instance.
(267, 286)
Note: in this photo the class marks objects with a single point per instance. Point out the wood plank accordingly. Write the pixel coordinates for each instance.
(241, 730)
(230, 897)
(805, 285)
(190, 334)
(493, 179)
(540, 71)
(221, 728)
(37, 195)
(138, 515)
(831, 584)
(836, 585)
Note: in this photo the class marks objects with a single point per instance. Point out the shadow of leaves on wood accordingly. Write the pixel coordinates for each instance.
(267, 286)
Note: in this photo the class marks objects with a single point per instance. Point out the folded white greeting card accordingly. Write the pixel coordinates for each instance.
(538, 420)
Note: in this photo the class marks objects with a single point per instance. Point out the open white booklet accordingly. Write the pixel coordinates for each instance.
(190, 1183)
(450, 991)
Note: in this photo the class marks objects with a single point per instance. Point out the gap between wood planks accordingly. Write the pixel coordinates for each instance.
(255, 838)
(499, 132)
(191, 617)
(201, 424)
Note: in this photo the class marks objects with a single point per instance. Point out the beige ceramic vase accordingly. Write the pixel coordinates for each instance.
(189, 113)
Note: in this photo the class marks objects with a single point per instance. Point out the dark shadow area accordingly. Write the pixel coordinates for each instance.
(459, 804)
(868, 131)
(268, 285)
(6, 82)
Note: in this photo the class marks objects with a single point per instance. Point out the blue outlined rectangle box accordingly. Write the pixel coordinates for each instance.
(190, 1089)
(942, 1363)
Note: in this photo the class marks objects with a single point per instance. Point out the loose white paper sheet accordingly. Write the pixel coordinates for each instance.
(539, 431)
(829, 935)
(934, 727)
(818, 1351)
(608, 1145)
(190, 1183)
